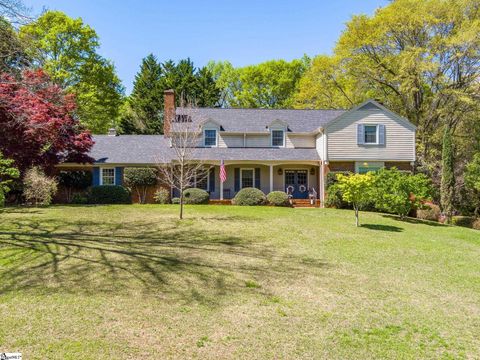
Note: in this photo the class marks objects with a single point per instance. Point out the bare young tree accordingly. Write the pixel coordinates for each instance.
(180, 168)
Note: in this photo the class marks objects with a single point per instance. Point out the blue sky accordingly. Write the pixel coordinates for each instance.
(243, 32)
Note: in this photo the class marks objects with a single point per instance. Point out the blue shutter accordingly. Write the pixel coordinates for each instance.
(257, 178)
(211, 187)
(119, 176)
(96, 176)
(381, 134)
(360, 134)
(237, 179)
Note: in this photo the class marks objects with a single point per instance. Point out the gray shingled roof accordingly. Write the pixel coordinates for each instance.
(257, 120)
(150, 149)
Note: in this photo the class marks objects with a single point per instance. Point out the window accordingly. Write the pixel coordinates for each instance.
(370, 134)
(278, 138)
(108, 176)
(364, 170)
(210, 136)
(201, 180)
(365, 167)
(246, 178)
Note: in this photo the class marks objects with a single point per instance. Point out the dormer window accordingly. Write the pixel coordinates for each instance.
(278, 138)
(210, 137)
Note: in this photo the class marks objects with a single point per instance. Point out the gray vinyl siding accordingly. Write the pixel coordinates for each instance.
(300, 141)
(230, 140)
(342, 137)
(258, 140)
(254, 140)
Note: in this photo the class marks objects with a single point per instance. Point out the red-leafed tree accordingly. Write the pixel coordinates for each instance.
(37, 123)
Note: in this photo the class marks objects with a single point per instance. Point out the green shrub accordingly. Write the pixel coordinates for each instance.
(465, 221)
(74, 180)
(195, 196)
(398, 192)
(38, 188)
(139, 179)
(79, 199)
(332, 177)
(162, 196)
(334, 198)
(278, 198)
(249, 197)
(2, 198)
(175, 200)
(109, 194)
(476, 224)
(430, 212)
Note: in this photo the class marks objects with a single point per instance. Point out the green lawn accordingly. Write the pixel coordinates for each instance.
(234, 282)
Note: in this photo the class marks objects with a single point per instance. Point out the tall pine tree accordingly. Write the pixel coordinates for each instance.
(143, 113)
(208, 93)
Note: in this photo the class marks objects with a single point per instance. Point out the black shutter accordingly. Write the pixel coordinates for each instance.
(257, 178)
(237, 179)
(211, 187)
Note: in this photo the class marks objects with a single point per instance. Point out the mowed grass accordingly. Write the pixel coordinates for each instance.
(125, 282)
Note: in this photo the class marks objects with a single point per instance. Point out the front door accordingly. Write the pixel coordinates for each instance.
(296, 183)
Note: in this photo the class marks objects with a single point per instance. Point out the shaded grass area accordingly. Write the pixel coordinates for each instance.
(232, 282)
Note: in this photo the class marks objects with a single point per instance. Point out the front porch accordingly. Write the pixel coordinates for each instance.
(297, 178)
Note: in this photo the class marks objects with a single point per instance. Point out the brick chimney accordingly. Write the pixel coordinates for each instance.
(169, 110)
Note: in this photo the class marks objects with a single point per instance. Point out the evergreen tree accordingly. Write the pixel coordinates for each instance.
(143, 112)
(447, 190)
(208, 94)
(146, 100)
(185, 81)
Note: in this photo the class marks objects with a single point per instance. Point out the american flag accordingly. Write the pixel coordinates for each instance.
(223, 172)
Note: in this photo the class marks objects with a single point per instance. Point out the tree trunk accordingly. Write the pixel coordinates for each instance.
(181, 204)
(447, 188)
(357, 223)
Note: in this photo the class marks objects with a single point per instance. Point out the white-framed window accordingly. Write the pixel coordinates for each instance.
(278, 137)
(370, 134)
(210, 137)
(247, 178)
(107, 176)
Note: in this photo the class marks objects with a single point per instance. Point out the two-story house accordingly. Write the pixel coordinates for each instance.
(285, 150)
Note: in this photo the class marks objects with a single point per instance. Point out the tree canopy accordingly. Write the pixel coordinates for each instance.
(271, 84)
(66, 49)
(37, 123)
(143, 111)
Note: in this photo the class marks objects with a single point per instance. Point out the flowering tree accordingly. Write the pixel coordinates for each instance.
(37, 125)
(356, 190)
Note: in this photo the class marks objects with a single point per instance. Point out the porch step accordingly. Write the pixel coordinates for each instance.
(297, 203)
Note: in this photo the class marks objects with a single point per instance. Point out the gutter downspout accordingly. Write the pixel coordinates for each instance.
(323, 166)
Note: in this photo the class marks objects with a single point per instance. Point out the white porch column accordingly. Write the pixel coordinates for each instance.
(271, 178)
(221, 184)
(323, 167)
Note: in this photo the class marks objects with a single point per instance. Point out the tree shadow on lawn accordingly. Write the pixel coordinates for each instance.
(413, 220)
(176, 260)
(382, 227)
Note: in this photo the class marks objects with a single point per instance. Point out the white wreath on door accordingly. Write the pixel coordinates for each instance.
(302, 188)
